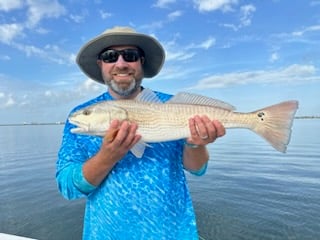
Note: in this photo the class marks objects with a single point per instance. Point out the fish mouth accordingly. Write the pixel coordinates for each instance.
(80, 127)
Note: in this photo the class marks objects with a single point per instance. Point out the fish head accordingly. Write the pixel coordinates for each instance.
(96, 119)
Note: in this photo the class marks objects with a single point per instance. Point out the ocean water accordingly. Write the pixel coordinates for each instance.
(250, 191)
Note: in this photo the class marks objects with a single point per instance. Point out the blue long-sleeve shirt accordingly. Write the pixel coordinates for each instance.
(141, 198)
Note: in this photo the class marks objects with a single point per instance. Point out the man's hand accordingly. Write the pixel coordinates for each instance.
(120, 138)
(204, 131)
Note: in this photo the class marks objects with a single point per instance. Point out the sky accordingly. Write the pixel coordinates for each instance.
(249, 53)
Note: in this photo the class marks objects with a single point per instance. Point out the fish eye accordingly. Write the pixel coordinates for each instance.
(86, 112)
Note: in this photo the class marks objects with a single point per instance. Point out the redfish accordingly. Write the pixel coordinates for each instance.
(158, 122)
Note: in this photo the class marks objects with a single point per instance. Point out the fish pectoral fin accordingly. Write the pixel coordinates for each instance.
(138, 149)
(196, 99)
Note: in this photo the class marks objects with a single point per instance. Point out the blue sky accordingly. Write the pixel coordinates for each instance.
(248, 53)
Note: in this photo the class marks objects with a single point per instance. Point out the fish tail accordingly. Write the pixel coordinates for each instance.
(274, 123)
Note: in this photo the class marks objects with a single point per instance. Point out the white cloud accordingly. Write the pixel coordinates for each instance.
(213, 5)
(230, 25)
(5, 58)
(246, 14)
(40, 96)
(91, 86)
(51, 53)
(172, 16)
(8, 32)
(313, 28)
(208, 43)
(163, 3)
(274, 57)
(72, 92)
(80, 16)
(178, 55)
(30, 50)
(291, 74)
(175, 52)
(10, 102)
(308, 35)
(159, 24)
(105, 15)
(77, 18)
(6, 100)
(41, 30)
(37, 10)
(8, 5)
(48, 93)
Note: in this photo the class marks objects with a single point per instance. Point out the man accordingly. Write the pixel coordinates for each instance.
(129, 197)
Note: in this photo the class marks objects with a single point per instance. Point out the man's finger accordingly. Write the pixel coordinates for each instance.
(220, 130)
(111, 134)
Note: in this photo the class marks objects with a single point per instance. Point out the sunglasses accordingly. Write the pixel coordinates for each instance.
(112, 55)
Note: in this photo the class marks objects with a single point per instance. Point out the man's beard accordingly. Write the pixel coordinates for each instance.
(124, 91)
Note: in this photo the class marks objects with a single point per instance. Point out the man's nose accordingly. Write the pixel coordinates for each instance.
(121, 61)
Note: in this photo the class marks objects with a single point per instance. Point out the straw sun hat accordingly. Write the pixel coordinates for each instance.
(88, 54)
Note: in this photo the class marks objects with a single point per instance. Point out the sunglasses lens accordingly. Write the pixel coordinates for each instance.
(131, 55)
(111, 55)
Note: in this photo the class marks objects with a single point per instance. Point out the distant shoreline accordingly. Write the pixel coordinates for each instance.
(28, 124)
(62, 123)
(307, 117)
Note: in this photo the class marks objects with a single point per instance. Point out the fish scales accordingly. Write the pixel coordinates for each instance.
(162, 122)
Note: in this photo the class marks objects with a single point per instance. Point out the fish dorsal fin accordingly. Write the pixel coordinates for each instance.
(191, 98)
(147, 95)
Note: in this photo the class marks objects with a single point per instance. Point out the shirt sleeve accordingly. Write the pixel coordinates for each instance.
(71, 157)
(81, 182)
(199, 172)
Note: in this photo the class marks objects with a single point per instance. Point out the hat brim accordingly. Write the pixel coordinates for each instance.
(88, 54)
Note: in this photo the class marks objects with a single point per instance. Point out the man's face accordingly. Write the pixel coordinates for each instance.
(122, 74)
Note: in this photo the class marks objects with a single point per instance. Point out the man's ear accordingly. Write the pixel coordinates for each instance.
(99, 62)
(142, 59)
